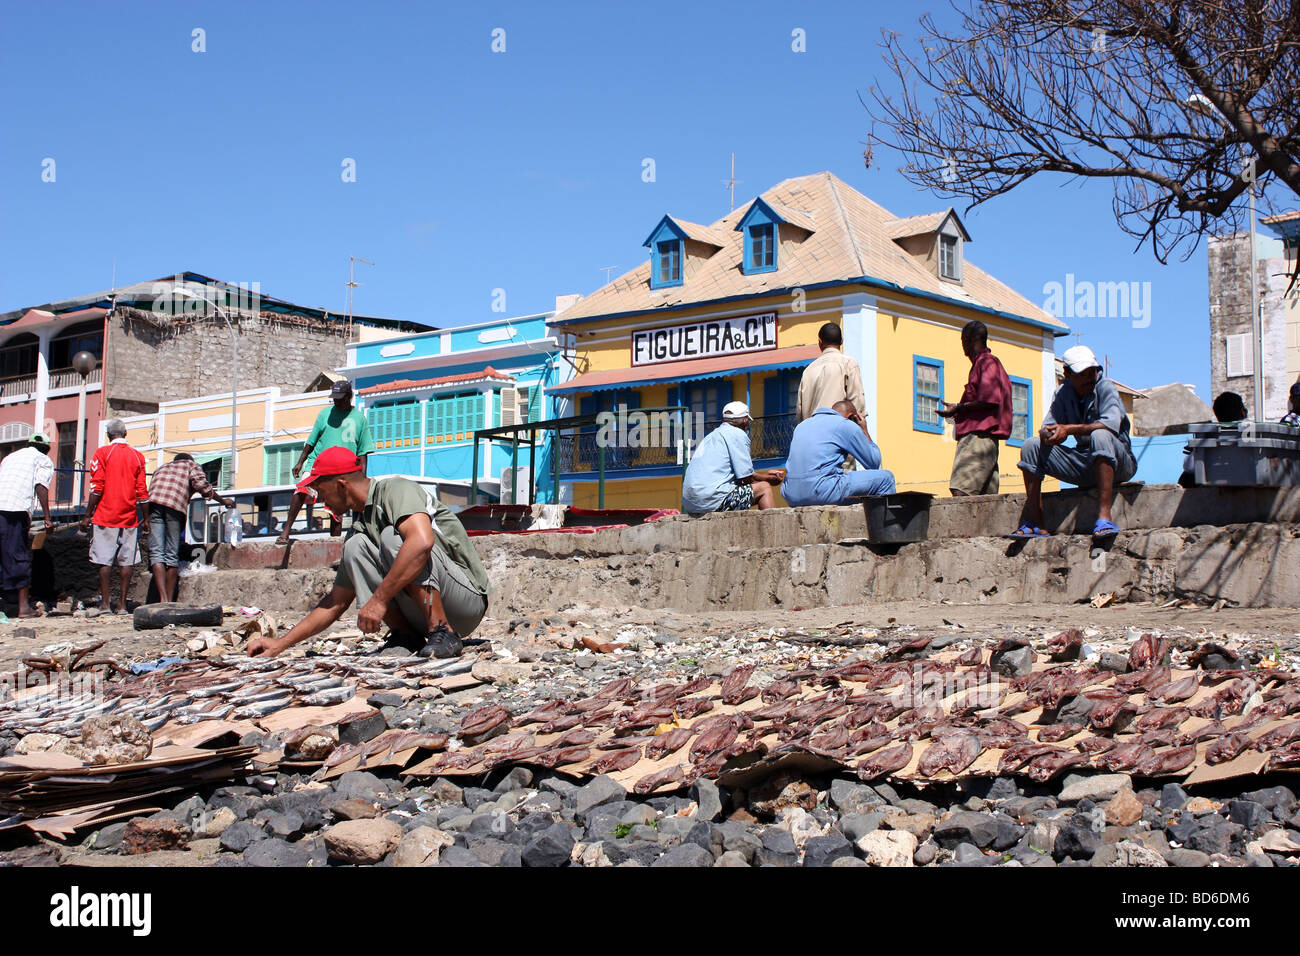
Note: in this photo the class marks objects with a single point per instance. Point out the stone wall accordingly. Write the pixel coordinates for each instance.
(149, 362)
(1230, 315)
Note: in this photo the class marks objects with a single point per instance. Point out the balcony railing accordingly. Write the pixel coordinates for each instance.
(14, 386)
(769, 438)
(71, 378)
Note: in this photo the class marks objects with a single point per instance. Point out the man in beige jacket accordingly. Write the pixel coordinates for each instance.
(830, 378)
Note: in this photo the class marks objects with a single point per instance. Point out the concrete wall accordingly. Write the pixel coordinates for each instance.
(811, 557)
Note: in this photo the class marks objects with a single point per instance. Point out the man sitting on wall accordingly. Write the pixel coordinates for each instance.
(1087, 408)
(817, 451)
(721, 475)
(407, 561)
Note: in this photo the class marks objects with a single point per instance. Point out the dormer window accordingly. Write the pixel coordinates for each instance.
(949, 257)
(762, 247)
(668, 262)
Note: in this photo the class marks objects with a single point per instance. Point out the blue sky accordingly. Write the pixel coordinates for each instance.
(478, 170)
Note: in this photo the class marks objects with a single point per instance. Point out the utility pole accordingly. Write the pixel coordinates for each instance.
(731, 184)
(352, 284)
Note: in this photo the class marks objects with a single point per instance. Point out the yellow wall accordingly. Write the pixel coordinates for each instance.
(171, 425)
(921, 461)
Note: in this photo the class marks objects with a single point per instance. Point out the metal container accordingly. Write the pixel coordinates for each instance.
(1245, 454)
(898, 518)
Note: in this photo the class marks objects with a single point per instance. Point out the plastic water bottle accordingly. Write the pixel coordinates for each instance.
(234, 528)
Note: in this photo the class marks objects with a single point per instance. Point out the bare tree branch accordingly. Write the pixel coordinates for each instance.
(1168, 100)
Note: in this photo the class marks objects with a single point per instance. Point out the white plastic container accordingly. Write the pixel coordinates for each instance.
(234, 528)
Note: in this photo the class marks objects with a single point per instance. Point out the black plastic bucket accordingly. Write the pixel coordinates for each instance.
(898, 518)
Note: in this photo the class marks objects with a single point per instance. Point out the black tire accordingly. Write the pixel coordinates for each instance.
(151, 617)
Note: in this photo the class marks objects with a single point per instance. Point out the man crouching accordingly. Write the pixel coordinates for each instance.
(407, 559)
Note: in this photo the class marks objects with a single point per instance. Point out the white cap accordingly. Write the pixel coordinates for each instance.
(1079, 358)
(735, 410)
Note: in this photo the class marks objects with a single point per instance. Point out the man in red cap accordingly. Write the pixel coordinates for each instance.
(407, 561)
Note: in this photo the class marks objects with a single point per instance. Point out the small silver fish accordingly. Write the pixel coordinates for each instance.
(333, 695)
(214, 714)
(263, 708)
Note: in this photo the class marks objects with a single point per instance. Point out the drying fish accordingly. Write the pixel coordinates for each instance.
(1173, 691)
(1161, 718)
(718, 735)
(1066, 645)
(1208, 732)
(1160, 762)
(1093, 746)
(1046, 766)
(653, 781)
(1147, 651)
(970, 657)
(733, 684)
(1124, 757)
(567, 722)
(555, 757)
(693, 707)
(263, 708)
(1227, 748)
(1055, 733)
(779, 690)
(482, 719)
(1281, 737)
(885, 762)
(575, 738)
(1017, 755)
(617, 760)
(548, 711)
(670, 742)
(954, 753)
(215, 714)
(332, 695)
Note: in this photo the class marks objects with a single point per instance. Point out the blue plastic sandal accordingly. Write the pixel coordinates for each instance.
(1029, 531)
(1105, 529)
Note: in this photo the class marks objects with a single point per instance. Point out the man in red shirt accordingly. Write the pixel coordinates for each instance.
(982, 417)
(116, 486)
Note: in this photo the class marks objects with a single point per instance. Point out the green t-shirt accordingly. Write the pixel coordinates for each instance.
(392, 500)
(334, 427)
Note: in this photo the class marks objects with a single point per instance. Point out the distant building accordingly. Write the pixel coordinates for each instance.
(1232, 354)
(426, 394)
(154, 343)
(730, 311)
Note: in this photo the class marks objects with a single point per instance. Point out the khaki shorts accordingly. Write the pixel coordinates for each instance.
(110, 546)
(975, 466)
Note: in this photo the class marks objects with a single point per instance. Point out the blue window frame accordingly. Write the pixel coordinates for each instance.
(781, 393)
(759, 226)
(668, 262)
(927, 390)
(394, 424)
(706, 398)
(762, 254)
(1022, 410)
(667, 252)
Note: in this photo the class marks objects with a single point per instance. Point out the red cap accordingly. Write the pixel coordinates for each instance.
(332, 461)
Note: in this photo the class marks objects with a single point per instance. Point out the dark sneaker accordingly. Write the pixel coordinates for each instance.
(442, 643)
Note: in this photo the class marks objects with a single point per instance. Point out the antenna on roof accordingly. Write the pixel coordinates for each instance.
(731, 183)
(352, 284)
(607, 270)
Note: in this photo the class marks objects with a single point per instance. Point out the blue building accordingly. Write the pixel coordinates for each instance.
(424, 396)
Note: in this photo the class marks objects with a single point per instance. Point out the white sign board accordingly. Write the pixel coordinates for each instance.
(707, 339)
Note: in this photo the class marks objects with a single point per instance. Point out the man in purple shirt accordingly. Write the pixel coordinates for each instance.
(982, 417)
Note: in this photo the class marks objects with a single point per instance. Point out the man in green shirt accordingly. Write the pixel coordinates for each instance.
(340, 425)
(407, 561)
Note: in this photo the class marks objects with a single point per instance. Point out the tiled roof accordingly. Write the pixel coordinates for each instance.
(405, 384)
(852, 239)
(1281, 217)
(714, 237)
(915, 225)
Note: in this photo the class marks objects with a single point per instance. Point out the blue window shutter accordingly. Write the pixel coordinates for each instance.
(773, 395)
(927, 390)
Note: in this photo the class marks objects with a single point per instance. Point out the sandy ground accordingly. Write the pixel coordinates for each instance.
(126, 645)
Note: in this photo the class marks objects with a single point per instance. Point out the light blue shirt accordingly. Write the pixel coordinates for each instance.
(720, 460)
(813, 471)
(1102, 404)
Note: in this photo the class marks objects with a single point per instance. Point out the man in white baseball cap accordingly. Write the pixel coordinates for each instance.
(721, 475)
(1087, 408)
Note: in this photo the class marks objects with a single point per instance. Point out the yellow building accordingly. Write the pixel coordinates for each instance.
(731, 311)
(270, 430)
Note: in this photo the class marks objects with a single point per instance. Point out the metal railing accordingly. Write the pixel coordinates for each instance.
(71, 378)
(769, 437)
(15, 385)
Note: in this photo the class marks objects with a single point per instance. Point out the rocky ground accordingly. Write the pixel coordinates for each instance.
(522, 817)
